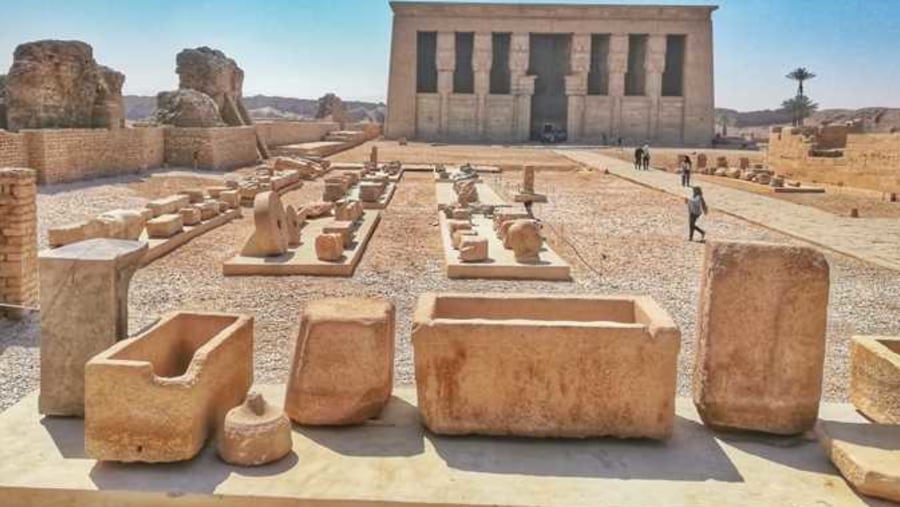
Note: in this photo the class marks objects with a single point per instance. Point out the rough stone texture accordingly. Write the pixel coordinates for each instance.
(195, 195)
(349, 211)
(867, 455)
(190, 216)
(211, 148)
(255, 433)
(524, 238)
(342, 227)
(84, 310)
(73, 233)
(122, 224)
(329, 247)
(156, 397)
(473, 249)
(875, 377)
(460, 235)
(292, 226)
(18, 239)
(209, 71)
(545, 366)
(165, 226)
(269, 237)
(232, 198)
(343, 364)
(370, 191)
(208, 209)
(761, 337)
(167, 205)
(57, 84)
(187, 108)
(317, 209)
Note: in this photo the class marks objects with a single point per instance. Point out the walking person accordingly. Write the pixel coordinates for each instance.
(696, 209)
(645, 161)
(638, 157)
(685, 171)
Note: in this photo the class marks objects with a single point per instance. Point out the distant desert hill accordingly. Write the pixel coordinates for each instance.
(265, 107)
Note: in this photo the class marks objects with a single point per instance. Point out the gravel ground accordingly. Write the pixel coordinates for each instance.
(633, 239)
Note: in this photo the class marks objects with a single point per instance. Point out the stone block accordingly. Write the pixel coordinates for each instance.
(370, 191)
(292, 226)
(196, 195)
(269, 237)
(216, 192)
(524, 238)
(456, 225)
(158, 396)
(761, 337)
(344, 228)
(84, 310)
(168, 205)
(231, 197)
(121, 224)
(867, 455)
(165, 226)
(73, 233)
(208, 209)
(473, 249)
(343, 364)
(255, 433)
(458, 236)
(317, 209)
(334, 191)
(190, 216)
(875, 377)
(348, 211)
(461, 214)
(329, 247)
(545, 365)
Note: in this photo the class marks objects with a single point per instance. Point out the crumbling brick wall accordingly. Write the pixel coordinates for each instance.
(12, 150)
(18, 239)
(211, 148)
(280, 133)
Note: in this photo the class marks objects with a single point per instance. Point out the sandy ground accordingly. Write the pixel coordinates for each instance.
(503, 156)
(619, 237)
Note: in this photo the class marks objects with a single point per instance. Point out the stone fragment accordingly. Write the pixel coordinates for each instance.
(777, 182)
(187, 109)
(84, 310)
(342, 367)
(292, 226)
(165, 226)
(269, 237)
(875, 377)
(744, 163)
(208, 209)
(216, 192)
(196, 195)
(334, 191)
(466, 192)
(167, 205)
(157, 397)
(761, 337)
(458, 236)
(721, 162)
(318, 209)
(232, 198)
(344, 228)
(209, 71)
(461, 214)
(867, 455)
(255, 433)
(329, 247)
(525, 240)
(370, 191)
(545, 365)
(122, 224)
(73, 233)
(190, 216)
(473, 249)
(701, 161)
(456, 225)
(348, 211)
(733, 172)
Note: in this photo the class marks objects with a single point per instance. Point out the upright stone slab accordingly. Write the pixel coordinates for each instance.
(84, 310)
(343, 364)
(761, 337)
(875, 377)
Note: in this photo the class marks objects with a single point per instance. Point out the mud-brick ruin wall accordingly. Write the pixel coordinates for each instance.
(65, 155)
(211, 148)
(13, 152)
(18, 239)
(280, 133)
(870, 161)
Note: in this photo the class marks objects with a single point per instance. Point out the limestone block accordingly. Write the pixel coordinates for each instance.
(761, 337)
(292, 226)
(504, 216)
(269, 237)
(216, 192)
(744, 163)
(545, 365)
(473, 249)
(84, 310)
(195, 195)
(867, 455)
(208, 209)
(122, 224)
(231, 197)
(458, 236)
(329, 247)
(343, 363)
(223, 206)
(875, 377)
(168, 205)
(190, 216)
(344, 228)
(73, 233)
(525, 240)
(777, 182)
(456, 225)
(763, 178)
(165, 226)
(370, 191)
(317, 209)
(255, 433)
(158, 396)
(348, 211)
(721, 171)
(701, 161)
(721, 162)
(733, 172)
(461, 214)
(334, 191)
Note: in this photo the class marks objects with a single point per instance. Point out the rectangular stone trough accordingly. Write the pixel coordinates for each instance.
(158, 396)
(545, 365)
(875, 377)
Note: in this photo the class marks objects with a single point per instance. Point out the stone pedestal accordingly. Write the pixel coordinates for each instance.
(84, 310)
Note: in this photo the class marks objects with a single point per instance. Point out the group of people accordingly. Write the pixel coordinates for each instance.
(642, 157)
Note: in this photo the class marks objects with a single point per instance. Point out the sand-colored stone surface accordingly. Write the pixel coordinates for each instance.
(255, 433)
(84, 310)
(875, 377)
(867, 455)
(545, 366)
(342, 368)
(761, 337)
(158, 396)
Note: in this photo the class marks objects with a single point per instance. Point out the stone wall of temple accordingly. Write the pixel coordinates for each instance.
(211, 148)
(18, 239)
(280, 133)
(13, 152)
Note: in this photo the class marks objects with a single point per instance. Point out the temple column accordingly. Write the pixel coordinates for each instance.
(482, 57)
(617, 63)
(577, 84)
(522, 85)
(654, 65)
(446, 65)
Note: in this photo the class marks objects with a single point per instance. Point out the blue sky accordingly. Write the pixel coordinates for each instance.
(305, 48)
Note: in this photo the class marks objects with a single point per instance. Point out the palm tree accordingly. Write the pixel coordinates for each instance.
(800, 74)
(801, 107)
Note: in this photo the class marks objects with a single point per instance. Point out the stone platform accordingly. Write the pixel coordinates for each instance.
(302, 260)
(502, 263)
(161, 246)
(393, 461)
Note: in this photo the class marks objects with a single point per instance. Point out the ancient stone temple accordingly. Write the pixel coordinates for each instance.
(507, 72)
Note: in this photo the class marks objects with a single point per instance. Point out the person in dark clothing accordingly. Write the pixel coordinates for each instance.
(638, 157)
(696, 209)
(645, 161)
(685, 171)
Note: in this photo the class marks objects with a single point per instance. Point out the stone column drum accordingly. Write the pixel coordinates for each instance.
(84, 310)
(761, 337)
(343, 365)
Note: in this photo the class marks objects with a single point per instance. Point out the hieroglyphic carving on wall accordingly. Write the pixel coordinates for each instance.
(580, 56)
(655, 61)
(446, 51)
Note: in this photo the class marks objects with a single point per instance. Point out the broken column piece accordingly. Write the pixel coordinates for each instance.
(255, 433)
(269, 237)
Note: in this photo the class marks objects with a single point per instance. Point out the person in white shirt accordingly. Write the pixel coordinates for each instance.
(696, 209)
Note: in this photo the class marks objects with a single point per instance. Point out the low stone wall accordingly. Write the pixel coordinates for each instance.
(211, 148)
(18, 239)
(280, 133)
(870, 161)
(62, 155)
(12, 150)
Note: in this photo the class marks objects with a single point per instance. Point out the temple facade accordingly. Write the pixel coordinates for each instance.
(506, 72)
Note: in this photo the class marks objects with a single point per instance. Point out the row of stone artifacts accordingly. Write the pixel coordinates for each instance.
(756, 174)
